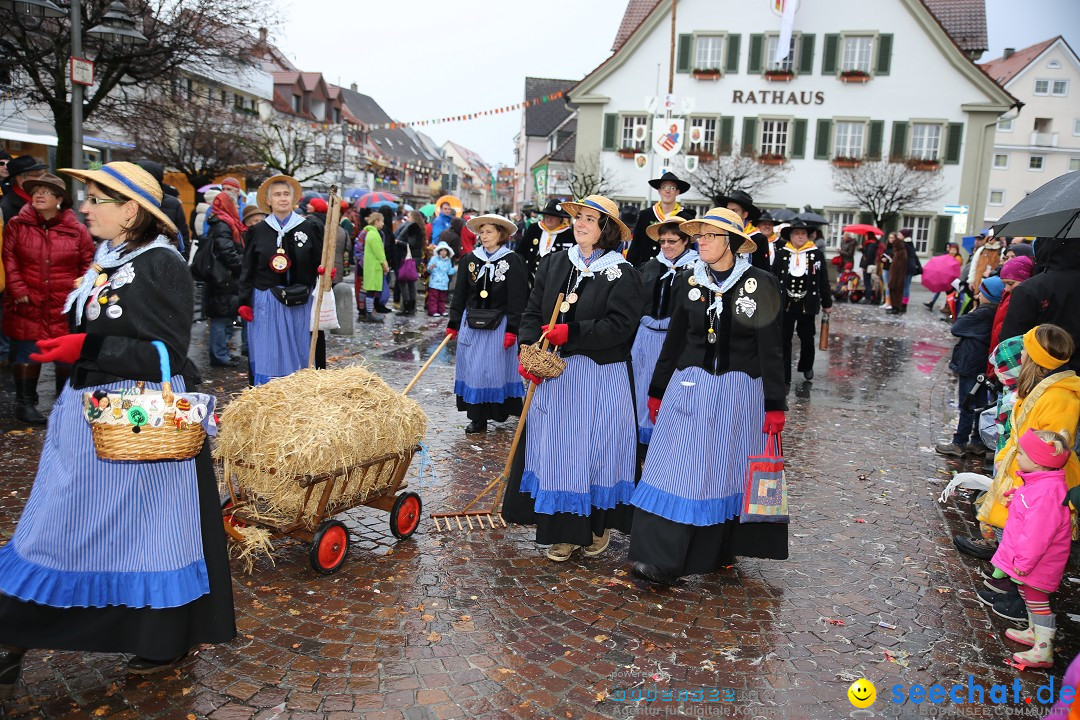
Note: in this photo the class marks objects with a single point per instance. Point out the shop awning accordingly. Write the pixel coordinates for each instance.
(36, 139)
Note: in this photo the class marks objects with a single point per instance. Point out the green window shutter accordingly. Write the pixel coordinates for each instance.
(884, 54)
(611, 126)
(749, 134)
(877, 136)
(798, 139)
(823, 140)
(942, 233)
(686, 46)
(828, 57)
(898, 148)
(727, 131)
(732, 54)
(866, 217)
(757, 50)
(954, 138)
(806, 54)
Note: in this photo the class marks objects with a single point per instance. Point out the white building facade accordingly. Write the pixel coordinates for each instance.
(861, 81)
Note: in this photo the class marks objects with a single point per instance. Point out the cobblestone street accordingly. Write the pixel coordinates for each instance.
(481, 625)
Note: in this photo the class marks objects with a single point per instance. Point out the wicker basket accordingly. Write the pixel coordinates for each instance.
(130, 437)
(540, 362)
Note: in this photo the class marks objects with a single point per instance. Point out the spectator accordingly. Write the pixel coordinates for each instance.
(848, 245)
(442, 222)
(170, 204)
(221, 293)
(5, 158)
(1013, 272)
(20, 170)
(868, 264)
(452, 236)
(440, 268)
(409, 246)
(375, 265)
(914, 265)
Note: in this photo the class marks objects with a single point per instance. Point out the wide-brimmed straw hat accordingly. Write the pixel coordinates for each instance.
(53, 183)
(721, 219)
(654, 230)
(262, 196)
(474, 223)
(129, 180)
(603, 206)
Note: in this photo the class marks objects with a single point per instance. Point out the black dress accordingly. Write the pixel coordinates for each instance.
(529, 246)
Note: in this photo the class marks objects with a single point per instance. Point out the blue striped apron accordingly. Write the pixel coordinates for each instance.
(646, 351)
(484, 371)
(708, 428)
(279, 340)
(580, 450)
(96, 533)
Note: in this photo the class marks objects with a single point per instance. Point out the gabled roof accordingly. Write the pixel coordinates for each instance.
(469, 156)
(1004, 69)
(542, 118)
(394, 143)
(565, 151)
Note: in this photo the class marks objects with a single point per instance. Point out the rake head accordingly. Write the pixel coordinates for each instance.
(472, 520)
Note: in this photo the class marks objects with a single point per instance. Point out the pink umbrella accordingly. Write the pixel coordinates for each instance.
(939, 273)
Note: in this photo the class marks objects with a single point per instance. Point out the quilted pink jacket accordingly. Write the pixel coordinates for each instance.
(1038, 533)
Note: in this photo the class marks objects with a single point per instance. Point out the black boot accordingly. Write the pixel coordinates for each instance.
(476, 426)
(26, 379)
(10, 667)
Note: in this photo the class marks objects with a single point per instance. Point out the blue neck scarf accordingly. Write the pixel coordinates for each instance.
(108, 257)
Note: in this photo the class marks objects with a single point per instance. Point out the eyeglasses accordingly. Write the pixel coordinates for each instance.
(3, 163)
(670, 241)
(668, 187)
(103, 201)
(709, 237)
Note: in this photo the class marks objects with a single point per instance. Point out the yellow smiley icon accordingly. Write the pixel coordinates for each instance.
(862, 693)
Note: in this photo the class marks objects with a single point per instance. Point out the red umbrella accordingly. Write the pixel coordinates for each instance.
(862, 229)
(377, 199)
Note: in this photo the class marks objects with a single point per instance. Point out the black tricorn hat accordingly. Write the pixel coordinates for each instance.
(552, 208)
(670, 177)
(744, 201)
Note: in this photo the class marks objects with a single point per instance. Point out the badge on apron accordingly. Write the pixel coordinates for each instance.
(572, 298)
(484, 293)
(472, 267)
(114, 311)
(93, 311)
(100, 280)
(751, 285)
(694, 294)
(280, 262)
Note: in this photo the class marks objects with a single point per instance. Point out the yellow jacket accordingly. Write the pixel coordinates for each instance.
(1058, 409)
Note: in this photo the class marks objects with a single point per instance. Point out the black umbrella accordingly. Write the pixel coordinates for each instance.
(1050, 211)
(812, 218)
(782, 215)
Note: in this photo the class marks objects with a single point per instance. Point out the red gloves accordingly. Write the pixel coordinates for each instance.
(558, 335)
(528, 375)
(654, 409)
(63, 349)
(451, 332)
(508, 340)
(322, 271)
(247, 313)
(774, 422)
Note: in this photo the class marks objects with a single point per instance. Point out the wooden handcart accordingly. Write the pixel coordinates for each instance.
(374, 483)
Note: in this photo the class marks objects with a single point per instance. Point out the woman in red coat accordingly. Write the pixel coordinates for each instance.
(46, 252)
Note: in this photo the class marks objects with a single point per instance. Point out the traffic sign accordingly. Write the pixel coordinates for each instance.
(82, 71)
(956, 210)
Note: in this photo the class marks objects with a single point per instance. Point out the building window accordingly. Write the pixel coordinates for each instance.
(857, 53)
(1076, 127)
(1001, 161)
(837, 220)
(629, 123)
(1074, 164)
(296, 103)
(189, 89)
(1035, 162)
(1042, 87)
(788, 63)
(702, 134)
(774, 137)
(1060, 88)
(920, 225)
(925, 141)
(1054, 64)
(997, 197)
(849, 140)
(1005, 125)
(708, 52)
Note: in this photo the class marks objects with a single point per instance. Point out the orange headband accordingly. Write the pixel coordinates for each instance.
(1038, 353)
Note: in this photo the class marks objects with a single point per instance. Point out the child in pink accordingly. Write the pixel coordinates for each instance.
(1035, 546)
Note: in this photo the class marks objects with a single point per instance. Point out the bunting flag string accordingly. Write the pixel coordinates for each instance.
(470, 116)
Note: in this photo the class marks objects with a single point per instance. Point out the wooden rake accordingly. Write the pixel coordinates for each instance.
(490, 518)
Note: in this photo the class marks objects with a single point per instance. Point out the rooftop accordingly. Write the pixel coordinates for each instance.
(542, 118)
(1005, 68)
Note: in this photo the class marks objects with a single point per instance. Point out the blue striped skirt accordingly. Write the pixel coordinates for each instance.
(485, 372)
(96, 533)
(580, 450)
(646, 351)
(279, 340)
(708, 428)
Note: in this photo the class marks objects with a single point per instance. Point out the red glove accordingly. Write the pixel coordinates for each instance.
(63, 349)
(247, 313)
(528, 375)
(322, 271)
(774, 422)
(451, 332)
(508, 340)
(654, 409)
(559, 333)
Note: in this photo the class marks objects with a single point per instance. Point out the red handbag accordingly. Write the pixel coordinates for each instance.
(765, 497)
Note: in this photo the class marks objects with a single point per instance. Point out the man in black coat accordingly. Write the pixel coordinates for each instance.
(804, 282)
(743, 204)
(20, 170)
(552, 234)
(170, 205)
(642, 247)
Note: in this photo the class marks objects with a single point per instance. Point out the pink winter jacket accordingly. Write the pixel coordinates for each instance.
(1038, 533)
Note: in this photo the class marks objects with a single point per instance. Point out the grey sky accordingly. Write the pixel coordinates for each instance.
(429, 58)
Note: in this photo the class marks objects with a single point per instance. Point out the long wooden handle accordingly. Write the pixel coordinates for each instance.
(425, 367)
(329, 249)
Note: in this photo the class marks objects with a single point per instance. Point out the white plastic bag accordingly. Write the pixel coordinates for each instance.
(327, 313)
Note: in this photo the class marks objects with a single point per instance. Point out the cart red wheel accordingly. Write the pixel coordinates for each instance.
(329, 547)
(405, 515)
(229, 518)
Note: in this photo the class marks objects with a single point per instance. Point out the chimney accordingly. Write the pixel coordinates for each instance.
(262, 36)
(1009, 52)
(353, 87)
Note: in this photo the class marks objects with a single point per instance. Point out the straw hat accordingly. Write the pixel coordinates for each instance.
(491, 219)
(602, 205)
(654, 230)
(262, 197)
(721, 219)
(132, 182)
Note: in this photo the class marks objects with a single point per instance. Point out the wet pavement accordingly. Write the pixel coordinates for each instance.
(481, 625)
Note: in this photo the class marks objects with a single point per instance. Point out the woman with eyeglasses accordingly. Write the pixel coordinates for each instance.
(579, 464)
(658, 275)
(717, 392)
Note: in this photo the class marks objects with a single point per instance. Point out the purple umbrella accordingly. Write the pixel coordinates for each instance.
(211, 186)
(939, 272)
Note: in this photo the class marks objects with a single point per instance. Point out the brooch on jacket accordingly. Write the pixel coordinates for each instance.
(300, 237)
(746, 305)
(613, 273)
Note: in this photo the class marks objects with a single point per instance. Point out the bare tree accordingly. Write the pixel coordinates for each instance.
(295, 148)
(886, 188)
(180, 33)
(737, 171)
(590, 177)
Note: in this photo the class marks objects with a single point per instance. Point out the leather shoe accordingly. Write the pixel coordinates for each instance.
(143, 666)
(476, 426)
(231, 362)
(809, 374)
(975, 547)
(653, 574)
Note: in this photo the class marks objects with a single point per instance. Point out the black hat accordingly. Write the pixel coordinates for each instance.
(797, 224)
(4, 155)
(552, 208)
(670, 177)
(744, 201)
(24, 163)
(765, 216)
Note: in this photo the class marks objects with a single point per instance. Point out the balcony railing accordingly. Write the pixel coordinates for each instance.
(1044, 139)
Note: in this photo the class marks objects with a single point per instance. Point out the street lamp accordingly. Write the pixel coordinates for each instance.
(33, 8)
